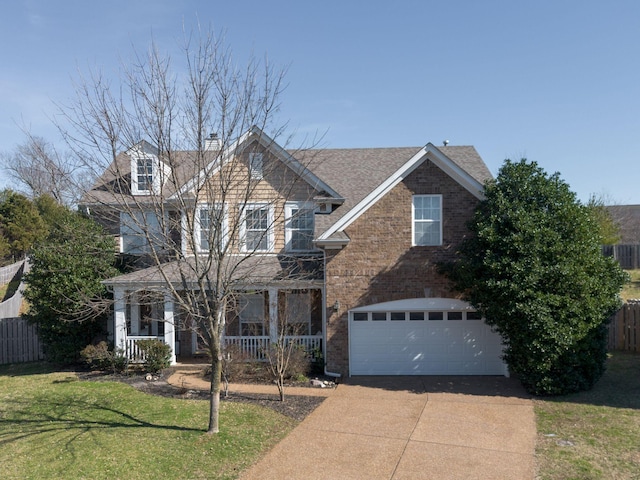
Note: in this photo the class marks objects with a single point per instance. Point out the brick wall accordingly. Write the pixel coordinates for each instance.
(380, 265)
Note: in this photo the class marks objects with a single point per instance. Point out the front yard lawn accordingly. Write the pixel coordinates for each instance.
(632, 289)
(594, 434)
(54, 426)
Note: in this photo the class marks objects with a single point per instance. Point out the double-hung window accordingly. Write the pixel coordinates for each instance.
(211, 227)
(256, 228)
(427, 220)
(299, 226)
(144, 174)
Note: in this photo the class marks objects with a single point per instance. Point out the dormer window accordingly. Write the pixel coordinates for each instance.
(256, 165)
(144, 174)
(148, 172)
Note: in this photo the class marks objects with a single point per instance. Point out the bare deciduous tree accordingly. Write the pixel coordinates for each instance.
(39, 169)
(286, 356)
(202, 208)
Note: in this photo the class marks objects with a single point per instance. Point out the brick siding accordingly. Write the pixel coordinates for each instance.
(380, 265)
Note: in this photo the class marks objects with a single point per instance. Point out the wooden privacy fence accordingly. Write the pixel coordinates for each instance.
(19, 342)
(628, 256)
(624, 328)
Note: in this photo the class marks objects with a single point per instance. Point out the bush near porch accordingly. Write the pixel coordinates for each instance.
(54, 426)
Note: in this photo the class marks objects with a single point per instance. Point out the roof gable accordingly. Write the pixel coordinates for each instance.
(472, 183)
(255, 134)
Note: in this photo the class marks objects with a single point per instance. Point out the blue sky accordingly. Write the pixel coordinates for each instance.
(557, 82)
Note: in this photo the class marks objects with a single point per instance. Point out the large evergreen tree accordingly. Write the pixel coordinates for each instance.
(64, 288)
(534, 268)
(20, 225)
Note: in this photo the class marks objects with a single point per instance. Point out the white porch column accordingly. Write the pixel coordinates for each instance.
(273, 314)
(135, 314)
(119, 318)
(169, 326)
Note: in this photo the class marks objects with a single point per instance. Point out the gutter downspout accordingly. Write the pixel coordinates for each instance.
(324, 317)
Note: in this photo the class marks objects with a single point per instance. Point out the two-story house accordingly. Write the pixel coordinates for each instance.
(350, 237)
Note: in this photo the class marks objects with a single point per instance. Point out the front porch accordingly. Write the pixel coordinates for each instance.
(248, 348)
(258, 319)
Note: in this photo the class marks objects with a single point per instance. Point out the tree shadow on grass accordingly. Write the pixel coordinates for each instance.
(68, 422)
(619, 387)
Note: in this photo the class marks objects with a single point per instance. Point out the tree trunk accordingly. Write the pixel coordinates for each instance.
(280, 384)
(214, 393)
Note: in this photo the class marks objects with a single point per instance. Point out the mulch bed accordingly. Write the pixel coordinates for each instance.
(294, 406)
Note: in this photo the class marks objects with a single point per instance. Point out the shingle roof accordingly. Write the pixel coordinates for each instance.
(351, 172)
(256, 270)
(356, 172)
(467, 158)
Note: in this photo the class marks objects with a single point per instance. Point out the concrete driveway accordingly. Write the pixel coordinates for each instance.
(411, 428)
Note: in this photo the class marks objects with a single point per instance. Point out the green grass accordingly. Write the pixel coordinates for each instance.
(8, 289)
(632, 289)
(54, 426)
(594, 434)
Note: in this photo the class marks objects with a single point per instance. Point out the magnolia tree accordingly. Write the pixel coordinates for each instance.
(534, 267)
(206, 205)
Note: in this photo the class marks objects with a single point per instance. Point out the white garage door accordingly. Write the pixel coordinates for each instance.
(422, 336)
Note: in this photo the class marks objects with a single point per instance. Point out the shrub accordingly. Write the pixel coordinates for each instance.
(99, 357)
(317, 361)
(157, 354)
(299, 363)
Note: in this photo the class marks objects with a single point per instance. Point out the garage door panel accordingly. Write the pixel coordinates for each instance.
(443, 347)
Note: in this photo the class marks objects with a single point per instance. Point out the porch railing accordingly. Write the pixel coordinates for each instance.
(133, 350)
(255, 348)
(251, 348)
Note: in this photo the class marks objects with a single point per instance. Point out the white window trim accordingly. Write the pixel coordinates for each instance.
(159, 171)
(197, 225)
(413, 221)
(287, 217)
(243, 227)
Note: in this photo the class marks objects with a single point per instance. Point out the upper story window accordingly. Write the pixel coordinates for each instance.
(211, 227)
(140, 230)
(256, 233)
(299, 226)
(144, 174)
(427, 220)
(256, 165)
